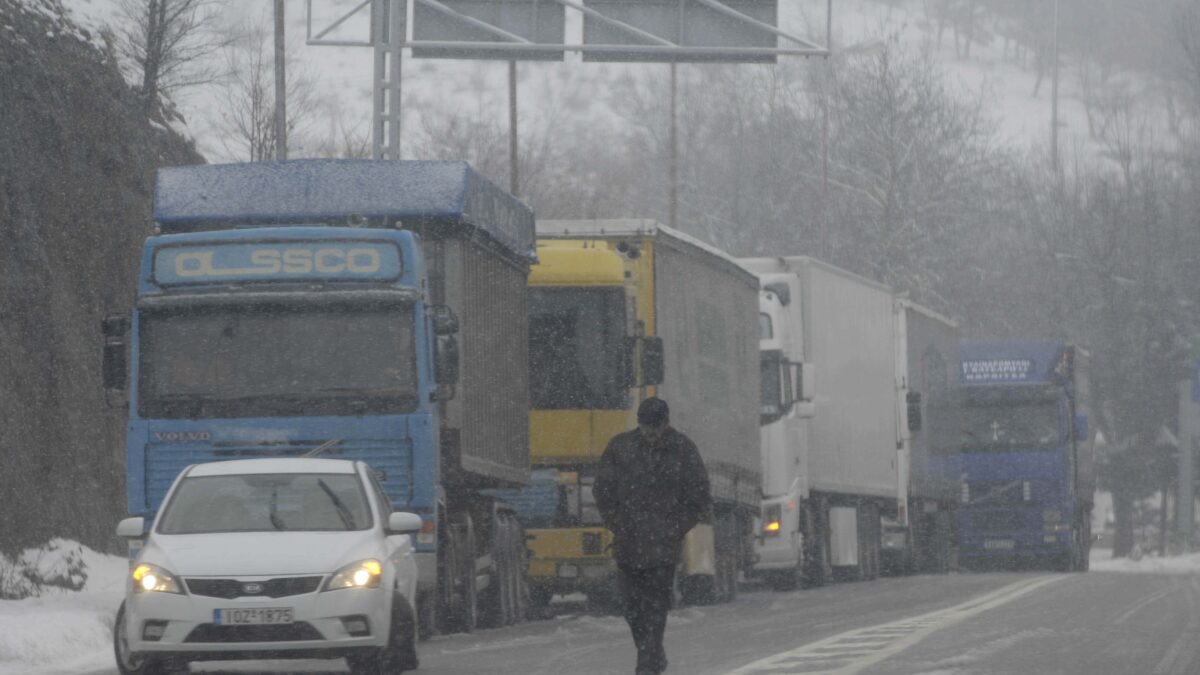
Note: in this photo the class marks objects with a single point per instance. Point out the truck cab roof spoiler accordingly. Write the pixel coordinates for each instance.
(434, 198)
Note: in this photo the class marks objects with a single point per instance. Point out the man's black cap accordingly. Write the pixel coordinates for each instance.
(653, 411)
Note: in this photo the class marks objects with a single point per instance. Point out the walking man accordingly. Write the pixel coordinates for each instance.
(651, 489)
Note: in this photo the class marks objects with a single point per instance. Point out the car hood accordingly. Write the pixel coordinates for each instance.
(260, 553)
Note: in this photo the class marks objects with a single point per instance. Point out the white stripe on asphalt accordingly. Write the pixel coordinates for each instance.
(849, 653)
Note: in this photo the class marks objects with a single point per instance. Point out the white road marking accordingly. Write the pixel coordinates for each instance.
(849, 653)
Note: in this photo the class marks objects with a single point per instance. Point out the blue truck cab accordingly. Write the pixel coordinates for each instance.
(1024, 455)
(365, 310)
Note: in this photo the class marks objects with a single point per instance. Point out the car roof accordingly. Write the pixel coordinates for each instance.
(273, 465)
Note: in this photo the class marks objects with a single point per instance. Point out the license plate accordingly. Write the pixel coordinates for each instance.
(568, 571)
(998, 544)
(253, 616)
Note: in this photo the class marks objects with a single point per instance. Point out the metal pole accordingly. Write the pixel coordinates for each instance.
(280, 85)
(1184, 509)
(513, 160)
(1054, 98)
(673, 209)
(396, 27)
(823, 238)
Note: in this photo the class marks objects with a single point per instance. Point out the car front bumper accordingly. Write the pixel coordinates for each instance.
(319, 628)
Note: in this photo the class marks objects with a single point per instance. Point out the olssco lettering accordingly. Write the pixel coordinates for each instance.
(271, 261)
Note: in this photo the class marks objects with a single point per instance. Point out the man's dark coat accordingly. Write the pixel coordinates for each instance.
(651, 496)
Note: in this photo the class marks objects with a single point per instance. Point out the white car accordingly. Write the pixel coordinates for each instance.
(271, 558)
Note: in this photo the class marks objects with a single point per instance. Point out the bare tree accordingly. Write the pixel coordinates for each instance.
(247, 118)
(171, 42)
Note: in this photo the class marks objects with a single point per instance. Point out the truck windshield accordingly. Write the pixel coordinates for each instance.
(267, 503)
(252, 360)
(1010, 423)
(577, 348)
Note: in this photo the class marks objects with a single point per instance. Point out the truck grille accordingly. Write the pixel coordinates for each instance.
(272, 588)
(997, 521)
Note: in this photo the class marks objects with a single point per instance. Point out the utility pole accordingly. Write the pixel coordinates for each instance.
(673, 209)
(513, 161)
(1188, 416)
(1054, 98)
(280, 85)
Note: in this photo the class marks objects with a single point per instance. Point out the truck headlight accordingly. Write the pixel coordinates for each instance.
(772, 520)
(149, 578)
(361, 574)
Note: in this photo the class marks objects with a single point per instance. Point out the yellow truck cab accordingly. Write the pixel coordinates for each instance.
(620, 310)
(587, 333)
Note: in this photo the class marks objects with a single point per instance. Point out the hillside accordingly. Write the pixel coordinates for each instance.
(77, 162)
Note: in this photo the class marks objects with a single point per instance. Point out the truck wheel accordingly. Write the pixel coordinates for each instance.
(698, 589)
(426, 615)
(539, 603)
(128, 662)
(461, 592)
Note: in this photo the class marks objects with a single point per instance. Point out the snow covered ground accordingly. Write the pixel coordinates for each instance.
(1102, 561)
(63, 632)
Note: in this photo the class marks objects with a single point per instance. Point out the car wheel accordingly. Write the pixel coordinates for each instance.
(128, 662)
(400, 654)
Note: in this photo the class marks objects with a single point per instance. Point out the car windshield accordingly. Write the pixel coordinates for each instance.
(266, 503)
(273, 359)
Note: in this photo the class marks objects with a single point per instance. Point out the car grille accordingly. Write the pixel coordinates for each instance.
(292, 632)
(272, 588)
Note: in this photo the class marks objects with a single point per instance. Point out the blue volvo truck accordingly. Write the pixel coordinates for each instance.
(370, 310)
(1023, 458)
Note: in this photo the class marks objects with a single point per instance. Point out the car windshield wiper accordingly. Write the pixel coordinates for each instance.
(343, 512)
(276, 521)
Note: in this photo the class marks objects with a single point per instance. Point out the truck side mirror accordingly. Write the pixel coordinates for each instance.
(445, 360)
(653, 361)
(445, 322)
(629, 369)
(805, 381)
(114, 367)
(913, 400)
(1081, 427)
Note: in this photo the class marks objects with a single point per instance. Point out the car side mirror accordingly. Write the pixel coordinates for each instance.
(132, 528)
(403, 522)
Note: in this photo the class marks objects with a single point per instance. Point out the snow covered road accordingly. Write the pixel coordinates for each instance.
(1121, 618)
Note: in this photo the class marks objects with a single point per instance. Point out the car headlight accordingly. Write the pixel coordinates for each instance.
(362, 574)
(149, 578)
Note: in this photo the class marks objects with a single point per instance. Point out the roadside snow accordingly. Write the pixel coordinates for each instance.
(63, 632)
(1102, 561)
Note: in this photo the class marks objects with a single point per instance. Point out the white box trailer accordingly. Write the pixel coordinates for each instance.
(848, 399)
(920, 538)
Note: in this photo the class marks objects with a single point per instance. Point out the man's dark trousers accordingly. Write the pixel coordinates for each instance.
(646, 595)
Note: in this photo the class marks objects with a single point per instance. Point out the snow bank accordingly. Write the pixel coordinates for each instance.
(63, 631)
(1102, 561)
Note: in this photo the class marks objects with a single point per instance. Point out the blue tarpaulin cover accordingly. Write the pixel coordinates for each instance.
(201, 197)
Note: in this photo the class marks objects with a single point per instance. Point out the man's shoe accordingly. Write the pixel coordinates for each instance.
(662, 666)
